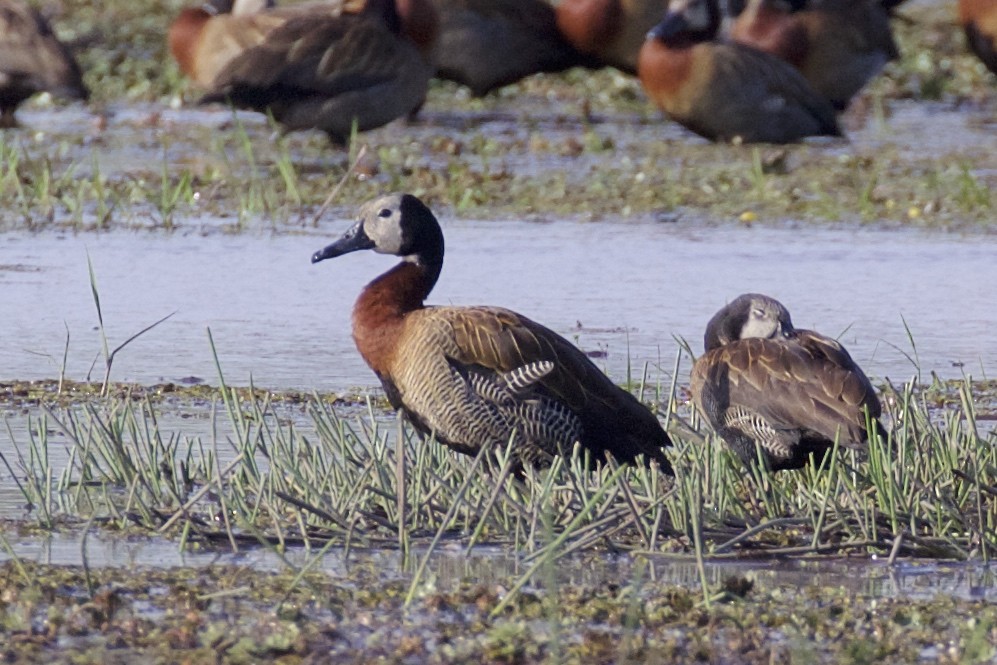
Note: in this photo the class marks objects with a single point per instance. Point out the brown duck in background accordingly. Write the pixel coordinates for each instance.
(727, 91)
(486, 44)
(205, 38)
(329, 72)
(612, 31)
(979, 20)
(838, 45)
(473, 376)
(32, 60)
(783, 394)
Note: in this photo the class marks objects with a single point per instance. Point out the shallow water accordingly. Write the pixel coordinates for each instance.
(486, 565)
(626, 289)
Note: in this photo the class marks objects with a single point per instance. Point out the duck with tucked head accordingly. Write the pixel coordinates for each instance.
(727, 92)
(778, 393)
(472, 376)
(32, 60)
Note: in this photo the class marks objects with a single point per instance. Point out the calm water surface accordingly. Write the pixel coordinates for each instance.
(620, 289)
(489, 565)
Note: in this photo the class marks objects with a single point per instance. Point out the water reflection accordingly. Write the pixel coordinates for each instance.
(450, 567)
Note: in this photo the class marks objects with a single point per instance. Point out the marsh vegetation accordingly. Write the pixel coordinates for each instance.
(302, 474)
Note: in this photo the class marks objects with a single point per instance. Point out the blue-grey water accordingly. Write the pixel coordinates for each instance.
(624, 288)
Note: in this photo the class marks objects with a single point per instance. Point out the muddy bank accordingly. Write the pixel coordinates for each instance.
(233, 615)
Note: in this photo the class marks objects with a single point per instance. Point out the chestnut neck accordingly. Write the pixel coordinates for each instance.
(183, 36)
(774, 30)
(382, 306)
(589, 25)
(665, 71)
(420, 22)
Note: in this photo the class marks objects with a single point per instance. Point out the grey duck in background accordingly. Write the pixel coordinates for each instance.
(481, 375)
(32, 60)
(767, 387)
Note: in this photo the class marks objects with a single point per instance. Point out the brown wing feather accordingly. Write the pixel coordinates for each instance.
(862, 24)
(811, 383)
(290, 54)
(613, 419)
(502, 340)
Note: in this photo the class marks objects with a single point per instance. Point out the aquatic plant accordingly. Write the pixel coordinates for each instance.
(367, 479)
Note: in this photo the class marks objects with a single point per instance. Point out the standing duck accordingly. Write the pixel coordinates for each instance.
(32, 60)
(612, 31)
(334, 72)
(979, 20)
(486, 44)
(783, 394)
(727, 92)
(473, 376)
(838, 45)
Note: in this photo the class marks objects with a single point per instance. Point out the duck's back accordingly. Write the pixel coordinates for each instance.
(486, 44)
(789, 396)
(483, 374)
(755, 96)
(324, 72)
(851, 41)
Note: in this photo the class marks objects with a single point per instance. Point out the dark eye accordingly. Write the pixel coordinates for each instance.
(384, 213)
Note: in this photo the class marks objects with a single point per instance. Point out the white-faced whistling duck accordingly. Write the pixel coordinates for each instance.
(32, 60)
(838, 45)
(336, 72)
(727, 92)
(612, 31)
(473, 376)
(979, 20)
(777, 393)
(487, 44)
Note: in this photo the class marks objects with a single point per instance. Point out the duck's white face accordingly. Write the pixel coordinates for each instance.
(382, 222)
(244, 7)
(767, 319)
(396, 224)
(695, 12)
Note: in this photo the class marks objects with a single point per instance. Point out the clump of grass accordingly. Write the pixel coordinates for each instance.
(108, 353)
(367, 481)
